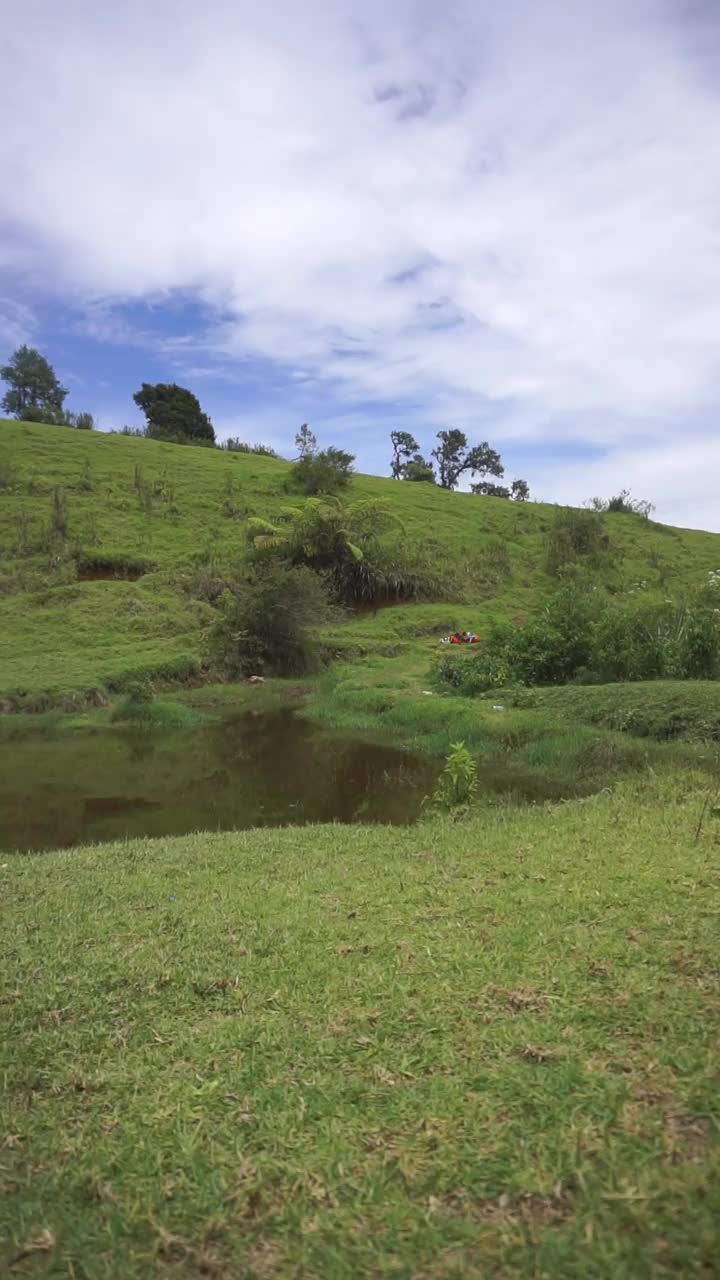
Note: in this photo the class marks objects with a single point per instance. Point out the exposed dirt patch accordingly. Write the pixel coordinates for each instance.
(512, 1001)
(531, 1208)
(686, 1137)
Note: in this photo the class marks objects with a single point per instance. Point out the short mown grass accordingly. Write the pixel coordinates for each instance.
(485, 1049)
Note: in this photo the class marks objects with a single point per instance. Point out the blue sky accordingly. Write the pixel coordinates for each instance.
(499, 217)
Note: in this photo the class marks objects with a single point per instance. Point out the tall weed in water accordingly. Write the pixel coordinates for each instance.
(457, 785)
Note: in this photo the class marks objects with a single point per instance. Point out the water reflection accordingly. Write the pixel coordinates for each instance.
(243, 771)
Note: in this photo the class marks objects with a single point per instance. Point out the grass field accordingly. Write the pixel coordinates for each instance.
(485, 1049)
(59, 634)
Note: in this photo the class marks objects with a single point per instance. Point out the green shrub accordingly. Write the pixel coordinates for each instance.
(584, 636)
(472, 676)
(140, 710)
(269, 623)
(326, 472)
(553, 645)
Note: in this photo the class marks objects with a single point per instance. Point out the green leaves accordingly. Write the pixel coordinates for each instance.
(33, 386)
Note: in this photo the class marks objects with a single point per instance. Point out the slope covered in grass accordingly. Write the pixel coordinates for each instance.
(135, 504)
(445, 1051)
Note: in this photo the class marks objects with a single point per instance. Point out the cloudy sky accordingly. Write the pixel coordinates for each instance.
(498, 216)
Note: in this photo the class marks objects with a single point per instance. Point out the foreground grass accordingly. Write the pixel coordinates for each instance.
(487, 1049)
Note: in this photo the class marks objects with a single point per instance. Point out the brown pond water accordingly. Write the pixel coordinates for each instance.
(80, 786)
(66, 787)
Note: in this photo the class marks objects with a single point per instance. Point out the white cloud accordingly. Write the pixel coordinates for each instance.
(505, 212)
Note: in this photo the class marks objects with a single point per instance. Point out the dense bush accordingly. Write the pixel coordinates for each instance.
(326, 472)
(269, 623)
(583, 636)
(360, 550)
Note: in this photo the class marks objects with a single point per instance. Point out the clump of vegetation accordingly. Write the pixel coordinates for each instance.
(358, 550)
(407, 462)
(173, 414)
(320, 471)
(457, 785)
(584, 636)
(271, 622)
(624, 504)
(577, 539)
(140, 710)
(234, 445)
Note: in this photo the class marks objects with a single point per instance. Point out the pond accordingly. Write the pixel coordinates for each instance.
(82, 786)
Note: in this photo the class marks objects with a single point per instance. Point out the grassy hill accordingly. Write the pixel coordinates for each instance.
(139, 507)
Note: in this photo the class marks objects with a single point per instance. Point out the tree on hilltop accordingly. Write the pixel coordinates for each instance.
(34, 390)
(173, 412)
(454, 457)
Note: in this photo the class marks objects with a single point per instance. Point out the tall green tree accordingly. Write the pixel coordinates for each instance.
(404, 447)
(454, 457)
(173, 412)
(33, 386)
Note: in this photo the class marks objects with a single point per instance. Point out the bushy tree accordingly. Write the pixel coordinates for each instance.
(405, 448)
(174, 413)
(520, 491)
(33, 386)
(418, 471)
(271, 622)
(454, 457)
(325, 472)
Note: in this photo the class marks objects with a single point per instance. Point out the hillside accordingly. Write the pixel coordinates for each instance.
(137, 507)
